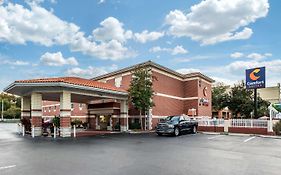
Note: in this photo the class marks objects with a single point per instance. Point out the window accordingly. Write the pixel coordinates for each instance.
(80, 106)
(72, 106)
(118, 81)
(55, 108)
(50, 109)
(181, 118)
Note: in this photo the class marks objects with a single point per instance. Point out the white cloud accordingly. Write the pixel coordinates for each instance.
(214, 21)
(148, 36)
(101, 1)
(235, 71)
(111, 29)
(174, 51)
(57, 59)
(179, 50)
(90, 71)
(187, 70)
(40, 1)
(13, 62)
(20, 25)
(236, 55)
(257, 56)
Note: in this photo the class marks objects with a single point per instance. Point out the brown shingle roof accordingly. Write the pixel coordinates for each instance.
(74, 81)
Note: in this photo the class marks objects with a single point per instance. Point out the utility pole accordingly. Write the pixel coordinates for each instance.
(255, 103)
(2, 107)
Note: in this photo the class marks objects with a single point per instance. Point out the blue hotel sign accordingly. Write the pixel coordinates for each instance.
(255, 78)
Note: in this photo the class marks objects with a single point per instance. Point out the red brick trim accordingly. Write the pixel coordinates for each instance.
(210, 128)
(248, 130)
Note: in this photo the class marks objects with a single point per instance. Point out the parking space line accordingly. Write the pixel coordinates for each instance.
(6, 167)
(210, 138)
(249, 139)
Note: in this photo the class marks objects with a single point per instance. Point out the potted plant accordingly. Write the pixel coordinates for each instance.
(56, 122)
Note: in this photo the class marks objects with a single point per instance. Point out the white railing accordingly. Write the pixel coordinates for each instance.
(210, 122)
(248, 123)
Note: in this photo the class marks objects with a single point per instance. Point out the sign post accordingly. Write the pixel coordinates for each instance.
(255, 78)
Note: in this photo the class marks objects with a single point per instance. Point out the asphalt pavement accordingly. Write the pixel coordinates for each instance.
(138, 154)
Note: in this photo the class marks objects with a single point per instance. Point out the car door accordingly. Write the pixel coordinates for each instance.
(189, 125)
(183, 123)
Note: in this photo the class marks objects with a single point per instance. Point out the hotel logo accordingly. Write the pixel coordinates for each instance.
(255, 78)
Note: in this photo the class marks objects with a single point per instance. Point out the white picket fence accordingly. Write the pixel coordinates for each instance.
(210, 122)
(243, 123)
(249, 123)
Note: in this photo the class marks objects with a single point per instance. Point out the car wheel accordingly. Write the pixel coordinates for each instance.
(159, 134)
(194, 130)
(177, 131)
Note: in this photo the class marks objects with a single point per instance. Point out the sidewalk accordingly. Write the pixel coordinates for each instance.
(242, 135)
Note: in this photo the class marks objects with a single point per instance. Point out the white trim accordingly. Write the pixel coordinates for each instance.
(113, 77)
(114, 116)
(158, 71)
(98, 109)
(197, 78)
(167, 74)
(175, 97)
(45, 106)
(67, 85)
(159, 116)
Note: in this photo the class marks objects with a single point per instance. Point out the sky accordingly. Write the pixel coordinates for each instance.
(220, 38)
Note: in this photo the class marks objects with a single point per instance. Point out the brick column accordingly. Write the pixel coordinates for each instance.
(25, 107)
(65, 113)
(92, 119)
(36, 113)
(124, 116)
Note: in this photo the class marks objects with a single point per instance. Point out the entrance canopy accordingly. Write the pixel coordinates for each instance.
(82, 90)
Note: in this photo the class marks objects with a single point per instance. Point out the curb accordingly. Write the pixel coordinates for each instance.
(269, 137)
(210, 133)
(140, 132)
(241, 135)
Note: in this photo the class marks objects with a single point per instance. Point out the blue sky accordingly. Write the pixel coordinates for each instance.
(50, 38)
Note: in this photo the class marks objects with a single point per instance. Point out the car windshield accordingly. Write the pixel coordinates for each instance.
(173, 118)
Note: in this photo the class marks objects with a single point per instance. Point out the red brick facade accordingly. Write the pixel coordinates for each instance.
(175, 94)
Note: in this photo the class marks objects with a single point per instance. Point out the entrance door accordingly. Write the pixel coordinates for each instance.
(104, 121)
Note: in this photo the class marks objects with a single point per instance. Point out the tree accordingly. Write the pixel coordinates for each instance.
(12, 113)
(219, 97)
(241, 101)
(141, 91)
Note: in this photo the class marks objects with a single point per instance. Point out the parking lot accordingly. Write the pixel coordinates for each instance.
(138, 154)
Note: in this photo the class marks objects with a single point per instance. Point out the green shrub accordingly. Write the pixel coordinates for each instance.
(134, 126)
(76, 122)
(56, 121)
(117, 127)
(277, 128)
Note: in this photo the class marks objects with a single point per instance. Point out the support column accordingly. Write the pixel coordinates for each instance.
(92, 120)
(36, 113)
(124, 126)
(65, 113)
(25, 107)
